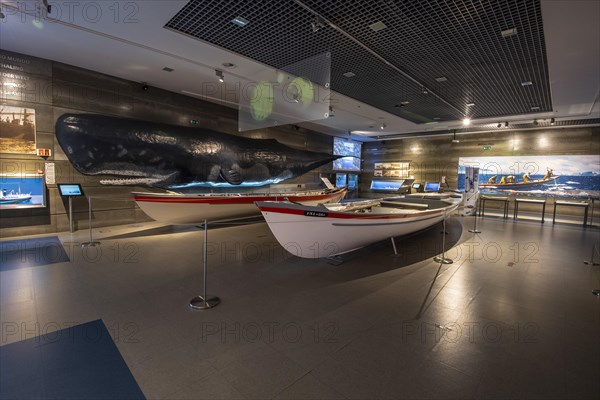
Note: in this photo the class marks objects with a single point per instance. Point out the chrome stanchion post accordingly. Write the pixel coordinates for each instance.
(203, 302)
(591, 262)
(71, 214)
(442, 259)
(475, 230)
(91, 243)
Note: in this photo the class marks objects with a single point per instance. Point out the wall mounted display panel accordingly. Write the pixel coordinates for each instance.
(571, 175)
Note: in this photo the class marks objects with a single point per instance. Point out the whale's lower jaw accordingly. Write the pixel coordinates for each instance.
(131, 181)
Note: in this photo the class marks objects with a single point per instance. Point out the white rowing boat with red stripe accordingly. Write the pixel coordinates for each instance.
(331, 229)
(175, 208)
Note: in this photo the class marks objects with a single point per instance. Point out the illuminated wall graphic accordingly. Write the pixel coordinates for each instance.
(132, 152)
(295, 93)
(350, 149)
(574, 175)
(17, 130)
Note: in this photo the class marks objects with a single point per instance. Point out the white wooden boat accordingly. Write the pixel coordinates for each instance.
(175, 208)
(330, 229)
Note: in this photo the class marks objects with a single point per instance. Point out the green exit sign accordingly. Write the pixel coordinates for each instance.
(487, 147)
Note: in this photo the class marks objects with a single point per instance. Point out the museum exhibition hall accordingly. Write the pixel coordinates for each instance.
(299, 199)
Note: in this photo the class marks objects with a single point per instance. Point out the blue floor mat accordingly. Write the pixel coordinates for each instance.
(80, 362)
(33, 252)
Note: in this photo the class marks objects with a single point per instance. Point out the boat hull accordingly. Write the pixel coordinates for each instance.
(315, 232)
(194, 209)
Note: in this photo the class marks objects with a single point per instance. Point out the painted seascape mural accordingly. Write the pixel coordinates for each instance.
(133, 152)
(545, 175)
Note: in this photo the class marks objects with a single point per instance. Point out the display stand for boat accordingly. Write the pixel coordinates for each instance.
(442, 258)
(204, 302)
(91, 243)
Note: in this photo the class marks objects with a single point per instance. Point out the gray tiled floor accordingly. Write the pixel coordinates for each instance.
(513, 317)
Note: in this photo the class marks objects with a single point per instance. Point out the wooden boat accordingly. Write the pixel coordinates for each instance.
(175, 208)
(331, 229)
(517, 185)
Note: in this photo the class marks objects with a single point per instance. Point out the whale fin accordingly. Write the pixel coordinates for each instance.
(232, 175)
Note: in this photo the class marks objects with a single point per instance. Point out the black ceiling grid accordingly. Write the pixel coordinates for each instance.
(458, 40)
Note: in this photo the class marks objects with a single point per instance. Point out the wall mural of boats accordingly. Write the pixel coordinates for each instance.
(557, 176)
(330, 229)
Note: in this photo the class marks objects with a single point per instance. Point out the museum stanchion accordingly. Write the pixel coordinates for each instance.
(594, 252)
(203, 302)
(91, 243)
(442, 258)
(475, 230)
(70, 214)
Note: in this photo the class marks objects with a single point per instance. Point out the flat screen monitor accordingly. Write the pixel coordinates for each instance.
(69, 189)
(386, 186)
(432, 186)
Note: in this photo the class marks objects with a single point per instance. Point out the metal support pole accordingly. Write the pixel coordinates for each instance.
(91, 243)
(396, 254)
(442, 259)
(70, 214)
(475, 230)
(591, 262)
(203, 302)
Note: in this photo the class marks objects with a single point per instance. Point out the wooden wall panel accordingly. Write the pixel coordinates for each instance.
(55, 88)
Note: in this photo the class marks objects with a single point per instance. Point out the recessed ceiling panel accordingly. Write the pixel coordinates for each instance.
(422, 40)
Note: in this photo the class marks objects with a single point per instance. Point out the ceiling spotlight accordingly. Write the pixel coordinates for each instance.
(220, 75)
(383, 126)
(506, 124)
(317, 24)
(145, 86)
(535, 122)
(454, 139)
(552, 121)
(424, 90)
(499, 125)
(466, 121)
(2, 16)
(331, 112)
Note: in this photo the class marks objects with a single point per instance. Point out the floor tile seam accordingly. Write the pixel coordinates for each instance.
(192, 382)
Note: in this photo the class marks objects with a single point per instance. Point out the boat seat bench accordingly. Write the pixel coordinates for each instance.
(400, 204)
(529, 201)
(572, 204)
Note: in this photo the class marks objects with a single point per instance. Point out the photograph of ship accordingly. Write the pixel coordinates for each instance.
(17, 130)
(21, 191)
(558, 176)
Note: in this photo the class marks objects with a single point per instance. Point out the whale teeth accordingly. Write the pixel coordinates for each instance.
(130, 181)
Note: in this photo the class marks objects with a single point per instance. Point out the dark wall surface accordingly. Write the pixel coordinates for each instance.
(53, 89)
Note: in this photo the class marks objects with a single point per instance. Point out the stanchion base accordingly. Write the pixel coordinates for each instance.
(198, 303)
(474, 231)
(90, 244)
(591, 263)
(442, 260)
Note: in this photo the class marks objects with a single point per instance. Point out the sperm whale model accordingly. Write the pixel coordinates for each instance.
(175, 157)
